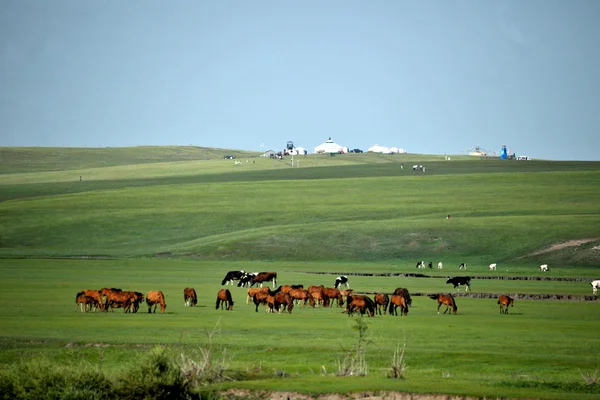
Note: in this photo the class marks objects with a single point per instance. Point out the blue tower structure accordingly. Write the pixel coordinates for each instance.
(503, 154)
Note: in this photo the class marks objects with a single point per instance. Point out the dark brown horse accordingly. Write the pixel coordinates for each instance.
(189, 297)
(331, 294)
(396, 301)
(381, 300)
(404, 292)
(504, 302)
(360, 303)
(94, 294)
(224, 297)
(447, 300)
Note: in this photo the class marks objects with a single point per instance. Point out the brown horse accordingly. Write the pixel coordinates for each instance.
(360, 303)
(94, 294)
(302, 295)
(253, 291)
(504, 302)
(122, 299)
(155, 297)
(85, 303)
(447, 300)
(396, 301)
(189, 297)
(332, 294)
(317, 293)
(283, 301)
(404, 292)
(104, 292)
(381, 300)
(288, 288)
(224, 296)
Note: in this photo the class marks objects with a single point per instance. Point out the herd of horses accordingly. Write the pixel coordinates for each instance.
(111, 298)
(285, 297)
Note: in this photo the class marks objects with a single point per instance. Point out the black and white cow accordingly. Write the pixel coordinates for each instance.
(430, 265)
(420, 264)
(462, 266)
(460, 280)
(246, 280)
(341, 280)
(232, 276)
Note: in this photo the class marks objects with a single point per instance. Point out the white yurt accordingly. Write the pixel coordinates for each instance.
(378, 149)
(329, 147)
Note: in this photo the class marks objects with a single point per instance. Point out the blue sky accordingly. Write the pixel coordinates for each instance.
(428, 76)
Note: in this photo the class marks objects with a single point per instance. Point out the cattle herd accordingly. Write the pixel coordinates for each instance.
(285, 297)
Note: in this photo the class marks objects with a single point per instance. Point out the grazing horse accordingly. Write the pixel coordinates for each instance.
(492, 267)
(317, 293)
(265, 277)
(154, 298)
(430, 265)
(544, 267)
(302, 295)
(341, 280)
(85, 303)
(595, 285)
(283, 301)
(504, 302)
(381, 301)
(232, 276)
(404, 292)
(94, 294)
(462, 266)
(266, 297)
(224, 296)
(398, 301)
(124, 299)
(253, 291)
(447, 300)
(189, 297)
(361, 303)
(289, 288)
(333, 294)
(460, 280)
(421, 264)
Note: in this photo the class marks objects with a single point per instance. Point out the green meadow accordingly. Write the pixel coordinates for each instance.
(154, 218)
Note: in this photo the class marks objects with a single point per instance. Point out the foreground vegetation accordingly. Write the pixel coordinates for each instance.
(142, 225)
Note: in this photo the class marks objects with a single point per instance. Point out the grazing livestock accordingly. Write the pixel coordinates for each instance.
(341, 280)
(447, 300)
(265, 277)
(224, 297)
(85, 303)
(421, 264)
(440, 265)
(381, 301)
(330, 294)
(544, 267)
(189, 297)
(246, 280)
(303, 295)
(504, 302)
(462, 266)
(595, 285)
(460, 280)
(266, 297)
(94, 294)
(126, 300)
(154, 298)
(317, 293)
(404, 292)
(253, 291)
(232, 276)
(398, 301)
(283, 301)
(289, 288)
(104, 292)
(492, 267)
(430, 265)
(360, 303)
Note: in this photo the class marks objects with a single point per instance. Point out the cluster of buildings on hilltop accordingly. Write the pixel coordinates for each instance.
(330, 147)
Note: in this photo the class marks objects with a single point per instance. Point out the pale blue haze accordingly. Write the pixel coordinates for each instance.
(427, 76)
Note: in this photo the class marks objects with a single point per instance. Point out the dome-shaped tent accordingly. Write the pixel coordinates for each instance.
(329, 147)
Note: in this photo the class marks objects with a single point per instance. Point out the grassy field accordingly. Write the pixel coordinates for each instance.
(163, 220)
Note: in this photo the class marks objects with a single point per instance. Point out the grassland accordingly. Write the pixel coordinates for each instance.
(153, 218)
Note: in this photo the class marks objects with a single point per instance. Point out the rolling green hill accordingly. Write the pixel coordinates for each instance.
(348, 207)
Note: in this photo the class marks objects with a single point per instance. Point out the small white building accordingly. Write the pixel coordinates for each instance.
(378, 149)
(330, 147)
